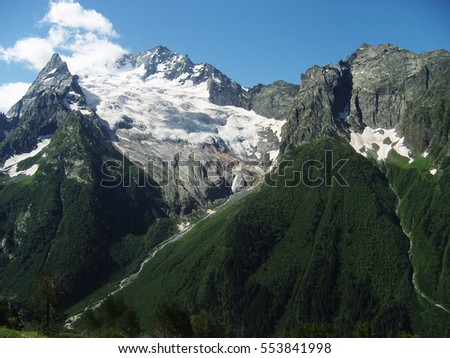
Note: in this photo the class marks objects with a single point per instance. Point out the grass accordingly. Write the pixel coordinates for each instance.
(95, 235)
(285, 259)
(11, 333)
(419, 163)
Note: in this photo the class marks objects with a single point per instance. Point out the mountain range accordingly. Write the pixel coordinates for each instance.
(318, 209)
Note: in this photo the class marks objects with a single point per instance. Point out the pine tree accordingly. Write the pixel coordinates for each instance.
(47, 303)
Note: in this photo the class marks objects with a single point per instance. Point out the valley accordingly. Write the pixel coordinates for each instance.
(149, 186)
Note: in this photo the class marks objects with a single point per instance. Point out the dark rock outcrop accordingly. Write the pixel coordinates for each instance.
(38, 113)
(378, 86)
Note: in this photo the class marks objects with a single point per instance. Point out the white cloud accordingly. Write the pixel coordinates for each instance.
(10, 93)
(57, 35)
(92, 55)
(82, 37)
(72, 15)
(33, 51)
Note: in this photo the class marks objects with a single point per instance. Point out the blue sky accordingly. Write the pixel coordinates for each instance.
(251, 41)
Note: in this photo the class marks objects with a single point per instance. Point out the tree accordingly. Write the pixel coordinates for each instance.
(203, 326)
(10, 315)
(172, 321)
(47, 304)
(88, 322)
(114, 318)
(128, 323)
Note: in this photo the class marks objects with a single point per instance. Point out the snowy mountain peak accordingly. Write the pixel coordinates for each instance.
(54, 78)
(162, 105)
(164, 63)
(163, 95)
(56, 64)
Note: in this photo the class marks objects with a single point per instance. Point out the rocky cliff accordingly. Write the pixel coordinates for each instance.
(379, 87)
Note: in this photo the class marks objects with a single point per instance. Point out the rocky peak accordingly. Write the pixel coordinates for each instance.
(275, 100)
(159, 60)
(55, 78)
(163, 63)
(170, 65)
(365, 52)
(379, 87)
(56, 66)
(45, 105)
(373, 67)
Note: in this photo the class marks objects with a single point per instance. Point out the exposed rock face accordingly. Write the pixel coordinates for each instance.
(180, 119)
(182, 115)
(189, 121)
(54, 77)
(275, 100)
(320, 104)
(272, 101)
(3, 124)
(380, 87)
(395, 88)
(39, 111)
(222, 90)
(190, 176)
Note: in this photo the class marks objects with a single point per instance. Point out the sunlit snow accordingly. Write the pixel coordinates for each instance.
(274, 154)
(10, 166)
(378, 143)
(174, 110)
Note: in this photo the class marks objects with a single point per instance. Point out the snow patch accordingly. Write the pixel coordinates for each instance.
(183, 76)
(236, 181)
(73, 105)
(10, 166)
(378, 143)
(76, 107)
(182, 227)
(215, 79)
(32, 170)
(274, 154)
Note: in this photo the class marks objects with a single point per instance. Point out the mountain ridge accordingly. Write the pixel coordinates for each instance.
(383, 108)
(380, 87)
